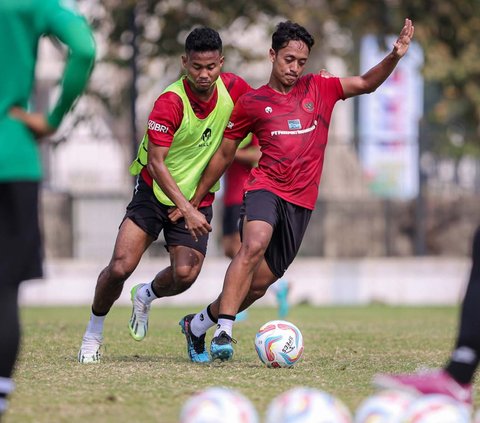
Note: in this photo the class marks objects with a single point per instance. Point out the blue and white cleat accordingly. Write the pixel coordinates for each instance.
(195, 344)
(221, 347)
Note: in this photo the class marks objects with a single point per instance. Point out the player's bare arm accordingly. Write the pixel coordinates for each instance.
(248, 155)
(217, 165)
(36, 122)
(374, 77)
(195, 221)
(212, 173)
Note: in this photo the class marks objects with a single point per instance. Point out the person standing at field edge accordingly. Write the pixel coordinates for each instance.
(290, 117)
(22, 24)
(456, 377)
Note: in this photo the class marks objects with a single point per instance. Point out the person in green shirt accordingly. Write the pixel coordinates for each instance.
(22, 24)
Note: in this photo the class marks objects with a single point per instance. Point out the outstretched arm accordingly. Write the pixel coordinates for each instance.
(373, 78)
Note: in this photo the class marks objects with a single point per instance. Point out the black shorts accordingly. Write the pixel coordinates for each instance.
(152, 217)
(289, 223)
(21, 252)
(231, 219)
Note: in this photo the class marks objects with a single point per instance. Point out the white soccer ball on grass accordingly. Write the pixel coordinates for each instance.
(279, 344)
(435, 408)
(307, 405)
(218, 405)
(387, 406)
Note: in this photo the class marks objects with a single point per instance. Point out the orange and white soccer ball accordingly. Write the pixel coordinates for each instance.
(307, 405)
(279, 344)
(218, 405)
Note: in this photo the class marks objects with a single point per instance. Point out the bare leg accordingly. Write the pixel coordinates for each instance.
(186, 264)
(262, 279)
(231, 244)
(240, 273)
(130, 245)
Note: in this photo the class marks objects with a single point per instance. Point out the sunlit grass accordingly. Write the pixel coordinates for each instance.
(149, 381)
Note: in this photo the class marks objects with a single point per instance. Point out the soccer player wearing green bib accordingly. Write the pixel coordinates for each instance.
(185, 128)
(22, 24)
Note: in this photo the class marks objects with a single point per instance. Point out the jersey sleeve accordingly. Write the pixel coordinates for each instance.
(331, 86)
(74, 32)
(165, 119)
(236, 86)
(239, 125)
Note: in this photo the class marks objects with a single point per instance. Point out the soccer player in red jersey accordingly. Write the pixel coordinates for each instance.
(185, 128)
(290, 115)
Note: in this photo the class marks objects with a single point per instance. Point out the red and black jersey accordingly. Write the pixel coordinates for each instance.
(292, 130)
(235, 177)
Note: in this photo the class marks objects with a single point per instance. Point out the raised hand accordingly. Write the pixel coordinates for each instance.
(402, 43)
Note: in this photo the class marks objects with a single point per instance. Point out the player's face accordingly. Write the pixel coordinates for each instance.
(203, 69)
(289, 62)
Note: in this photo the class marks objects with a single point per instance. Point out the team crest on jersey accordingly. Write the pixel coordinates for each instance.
(207, 134)
(308, 105)
(294, 124)
(268, 109)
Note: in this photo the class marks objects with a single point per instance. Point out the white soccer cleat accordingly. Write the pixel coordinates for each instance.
(90, 350)
(138, 324)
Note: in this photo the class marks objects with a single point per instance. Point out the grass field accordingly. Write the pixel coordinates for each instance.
(149, 381)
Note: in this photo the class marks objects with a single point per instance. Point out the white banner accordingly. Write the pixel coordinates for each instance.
(388, 122)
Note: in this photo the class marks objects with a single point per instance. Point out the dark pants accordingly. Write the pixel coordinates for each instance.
(20, 259)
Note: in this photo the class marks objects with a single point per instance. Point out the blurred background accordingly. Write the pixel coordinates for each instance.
(401, 181)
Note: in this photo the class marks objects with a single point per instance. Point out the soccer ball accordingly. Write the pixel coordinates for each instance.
(307, 405)
(218, 405)
(435, 408)
(279, 344)
(384, 407)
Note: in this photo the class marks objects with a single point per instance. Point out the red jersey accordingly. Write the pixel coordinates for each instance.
(292, 130)
(235, 178)
(167, 115)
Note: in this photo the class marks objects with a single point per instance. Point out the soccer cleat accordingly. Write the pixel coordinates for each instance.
(433, 382)
(221, 347)
(195, 344)
(90, 350)
(138, 324)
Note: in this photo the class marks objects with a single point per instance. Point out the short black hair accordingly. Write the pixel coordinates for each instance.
(203, 39)
(290, 31)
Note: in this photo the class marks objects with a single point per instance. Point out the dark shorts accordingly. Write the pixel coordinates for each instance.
(21, 250)
(231, 219)
(289, 223)
(152, 217)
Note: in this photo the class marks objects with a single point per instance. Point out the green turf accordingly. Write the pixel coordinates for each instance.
(149, 381)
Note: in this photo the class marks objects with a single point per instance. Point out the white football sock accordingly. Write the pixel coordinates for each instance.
(95, 324)
(201, 323)
(146, 294)
(224, 325)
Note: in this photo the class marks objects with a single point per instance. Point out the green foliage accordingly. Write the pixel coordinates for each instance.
(149, 381)
(447, 30)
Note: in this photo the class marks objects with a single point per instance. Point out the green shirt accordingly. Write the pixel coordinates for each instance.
(22, 23)
(194, 143)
